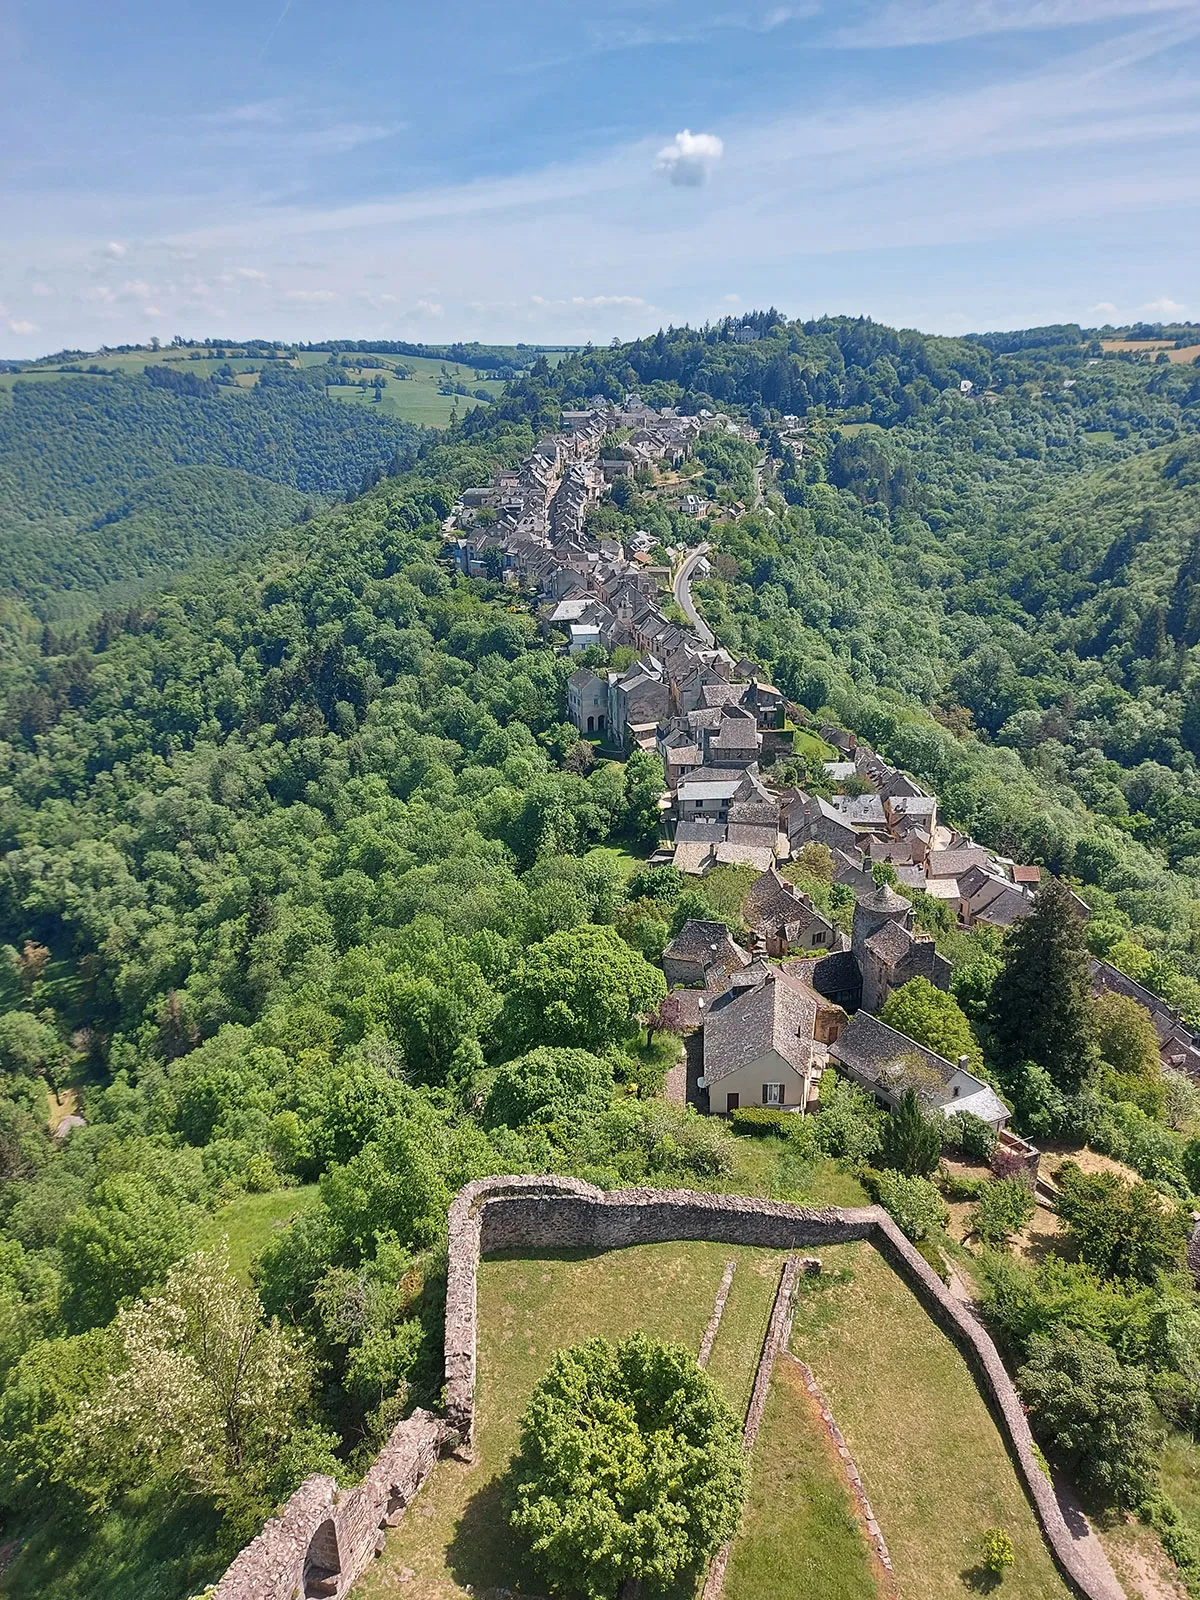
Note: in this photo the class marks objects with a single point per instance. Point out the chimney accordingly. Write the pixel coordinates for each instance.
(964, 1063)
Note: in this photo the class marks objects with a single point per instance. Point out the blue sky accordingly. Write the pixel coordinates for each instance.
(557, 171)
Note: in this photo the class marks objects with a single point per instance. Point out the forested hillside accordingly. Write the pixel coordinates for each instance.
(1018, 557)
(98, 481)
(317, 907)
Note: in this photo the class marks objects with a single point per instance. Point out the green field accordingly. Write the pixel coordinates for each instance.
(413, 399)
(456, 1539)
(932, 1461)
(800, 1538)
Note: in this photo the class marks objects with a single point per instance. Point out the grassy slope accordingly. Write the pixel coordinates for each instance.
(248, 1222)
(932, 1461)
(457, 1534)
(800, 1539)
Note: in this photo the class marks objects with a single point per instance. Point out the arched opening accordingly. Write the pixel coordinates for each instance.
(591, 724)
(322, 1563)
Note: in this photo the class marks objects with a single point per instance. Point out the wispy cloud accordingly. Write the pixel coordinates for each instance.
(1161, 309)
(912, 22)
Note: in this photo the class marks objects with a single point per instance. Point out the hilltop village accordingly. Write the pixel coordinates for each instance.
(805, 995)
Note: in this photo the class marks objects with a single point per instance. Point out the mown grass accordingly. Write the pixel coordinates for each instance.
(800, 1539)
(249, 1222)
(932, 1460)
(762, 1166)
(457, 1533)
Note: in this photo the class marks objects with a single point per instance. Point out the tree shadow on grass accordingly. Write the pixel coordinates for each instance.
(485, 1554)
(981, 1580)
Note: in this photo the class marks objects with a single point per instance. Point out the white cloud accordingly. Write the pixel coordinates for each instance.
(690, 157)
(431, 308)
(602, 300)
(153, 311)
(909, 22)
(310, 297)
(100, 293)
(19, 325)
(1163, 307)
(135, 289)
(115, 250)
(252, 275)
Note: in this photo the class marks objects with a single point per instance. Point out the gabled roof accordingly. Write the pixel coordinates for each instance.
(743, 1026)
(755, 813)
(876, 1054)
(953, 863)
(771, 902)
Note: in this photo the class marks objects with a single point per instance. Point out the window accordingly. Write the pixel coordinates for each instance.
(819, 936)
(772, 1094)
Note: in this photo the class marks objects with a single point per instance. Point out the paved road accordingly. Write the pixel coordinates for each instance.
(682, 590)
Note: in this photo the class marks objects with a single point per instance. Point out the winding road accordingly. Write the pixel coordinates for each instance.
(681, 588)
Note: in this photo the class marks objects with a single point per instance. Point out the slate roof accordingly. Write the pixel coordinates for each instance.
(836, 973)
(953, 863)
(771, 902)
(873, 1053)
(699, 832)
(694, 859)
(733, 854)
(883, 898)
(891, 943)
(755, 813)
(747, 833)
(860, 810)
(778, 1015)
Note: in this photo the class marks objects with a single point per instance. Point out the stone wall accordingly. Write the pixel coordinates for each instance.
(322, 1540)
(539, 1213)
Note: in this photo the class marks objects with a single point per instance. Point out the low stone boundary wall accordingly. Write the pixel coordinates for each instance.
(718, 1311)
(873, 1531)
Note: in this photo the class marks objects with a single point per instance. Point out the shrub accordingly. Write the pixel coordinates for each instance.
(960, 1186)
(1005, 1206)
(998, 1551)
(914, 1203)
(760, 1120)
(972, 1137)
(929, 1252)
(848, 1121)
(629, 1467)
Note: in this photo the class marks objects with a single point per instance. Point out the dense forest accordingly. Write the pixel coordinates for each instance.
(107, 479)
(314, 907)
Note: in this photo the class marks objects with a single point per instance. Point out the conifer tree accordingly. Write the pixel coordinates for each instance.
(1039, 1008)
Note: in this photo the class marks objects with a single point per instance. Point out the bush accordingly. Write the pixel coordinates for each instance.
(910, 1141)
(929, 1252)
(848, 1121)
(913, 1203)
(969, 1135)
(958, 1186)
(760, 1120)
(629, 1467)
(998, 1551)
(1005, 1206)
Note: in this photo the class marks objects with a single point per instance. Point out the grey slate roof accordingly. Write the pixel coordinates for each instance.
(875, 1054)
(777, 1015)
(700, 832)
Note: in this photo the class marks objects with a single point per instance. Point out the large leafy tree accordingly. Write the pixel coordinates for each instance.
(1039, 1009)
(1093, 1414)
(630, 1467)
(549, 1085)
(932, 1018)
(1122, 1230)
(583, 987)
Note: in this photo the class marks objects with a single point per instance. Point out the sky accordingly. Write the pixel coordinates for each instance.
(556, 171)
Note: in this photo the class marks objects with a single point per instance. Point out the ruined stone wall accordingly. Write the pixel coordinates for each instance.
(546, 1213)
(342, 1530)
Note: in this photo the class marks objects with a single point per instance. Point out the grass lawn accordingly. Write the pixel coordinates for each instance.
(806, 743)
(762, 1168)
(457, 1533)
(249, 1221)
(932, 1461)
(800, 1539)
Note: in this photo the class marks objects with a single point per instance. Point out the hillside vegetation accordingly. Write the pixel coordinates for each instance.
(90, 492)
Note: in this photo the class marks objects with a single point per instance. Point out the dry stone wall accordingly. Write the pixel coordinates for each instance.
(323, 1539)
